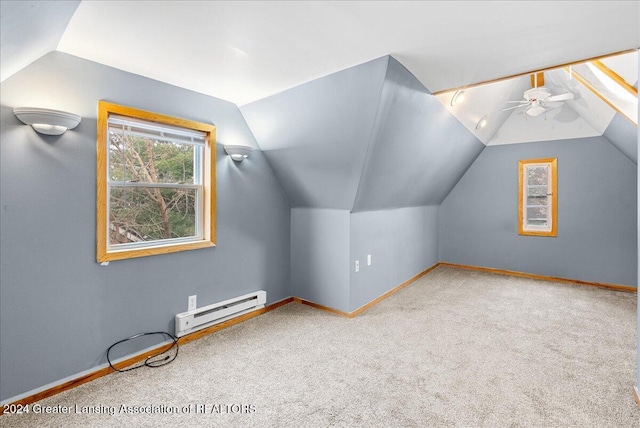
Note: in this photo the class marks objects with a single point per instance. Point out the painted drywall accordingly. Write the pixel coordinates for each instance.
(418, 149)
(402, 243)
(623, 134)
(368, 138)
(316, 135)
(320, 256)
(60, 310)
(30, 29)
(596, 214)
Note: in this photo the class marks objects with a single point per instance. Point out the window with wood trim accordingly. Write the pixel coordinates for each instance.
(155, 183)
(538, 197)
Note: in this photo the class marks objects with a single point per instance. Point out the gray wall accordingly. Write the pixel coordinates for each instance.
(418, 150)
(368, 138)
(402, 244)
(596, 214)
(623, 134)
(30, 29)
(326, 243)
(59, 309)
(320, 256)
(316, 135)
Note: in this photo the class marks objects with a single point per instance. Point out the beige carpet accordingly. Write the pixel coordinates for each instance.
(456, 348)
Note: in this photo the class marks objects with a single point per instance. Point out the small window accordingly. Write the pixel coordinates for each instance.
(538, 197)
(155, 182)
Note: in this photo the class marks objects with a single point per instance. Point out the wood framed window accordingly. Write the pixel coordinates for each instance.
(538, 197)
(155, 183)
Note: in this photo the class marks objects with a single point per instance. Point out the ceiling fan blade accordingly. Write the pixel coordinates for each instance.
(552, 104)
(514, 107)
(521, 102)
(561, 97)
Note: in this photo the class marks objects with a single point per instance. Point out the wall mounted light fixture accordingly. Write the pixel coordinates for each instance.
(237, 153)
(482, 122)
(457, 98)
(47, 121)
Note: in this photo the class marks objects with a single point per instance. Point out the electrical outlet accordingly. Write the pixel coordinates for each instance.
(357, 265)
(193, 302)
(368, 259)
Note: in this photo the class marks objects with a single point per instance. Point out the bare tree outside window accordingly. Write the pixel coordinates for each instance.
(145, 212)
(156, 183)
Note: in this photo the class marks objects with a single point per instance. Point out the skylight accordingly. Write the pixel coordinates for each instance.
(609, 86)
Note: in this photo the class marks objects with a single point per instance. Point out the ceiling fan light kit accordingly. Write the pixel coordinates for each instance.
(539, 99)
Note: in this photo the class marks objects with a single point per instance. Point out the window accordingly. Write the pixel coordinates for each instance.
(538, 197)
(608, 85)
(155, 183)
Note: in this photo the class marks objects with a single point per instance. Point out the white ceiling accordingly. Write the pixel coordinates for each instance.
(586, 115)
(243, 51)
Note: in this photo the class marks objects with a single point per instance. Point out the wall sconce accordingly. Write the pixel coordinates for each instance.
(457, 97)
(238, 153)
(46, 121)
(482, 123)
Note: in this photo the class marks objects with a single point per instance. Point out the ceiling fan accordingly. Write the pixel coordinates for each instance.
(539, 99)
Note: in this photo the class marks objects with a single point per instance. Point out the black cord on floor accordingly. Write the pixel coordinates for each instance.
(157, 360)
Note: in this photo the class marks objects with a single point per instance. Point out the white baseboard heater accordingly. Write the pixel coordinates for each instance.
(188, 322)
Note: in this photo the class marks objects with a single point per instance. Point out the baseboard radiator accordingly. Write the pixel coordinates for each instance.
(188, 322)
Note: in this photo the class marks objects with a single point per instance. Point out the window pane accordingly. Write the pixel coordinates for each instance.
(151, 213)
(147, 160)
(537, 175)
(537, 190)
(537, 216)
(537, 200)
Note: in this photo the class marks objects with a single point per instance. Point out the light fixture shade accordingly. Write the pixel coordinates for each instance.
(237, 153)
(482, 122)
(457, 97)
(535, 110)
(47, 121)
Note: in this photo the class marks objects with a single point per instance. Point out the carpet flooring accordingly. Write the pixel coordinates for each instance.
(456, 348)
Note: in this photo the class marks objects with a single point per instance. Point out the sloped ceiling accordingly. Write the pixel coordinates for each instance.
(29, 30)
(367, 138)
(622, 134)
(418, 151)
(244, 51)
(586, 115)
(338, 93)
(316, 135)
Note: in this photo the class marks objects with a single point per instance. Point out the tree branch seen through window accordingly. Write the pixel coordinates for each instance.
(157, 183)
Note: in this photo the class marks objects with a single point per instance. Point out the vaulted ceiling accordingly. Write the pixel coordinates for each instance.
(245, 51)
(326, 86)
(367, 138)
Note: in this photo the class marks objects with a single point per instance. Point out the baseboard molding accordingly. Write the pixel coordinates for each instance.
(93, 374)
(321, 307)
(392, 291)
(366, 306)
(616, 287)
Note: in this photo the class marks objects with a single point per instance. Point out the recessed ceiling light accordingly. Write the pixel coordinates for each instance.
(482, 122)
(457, 98)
